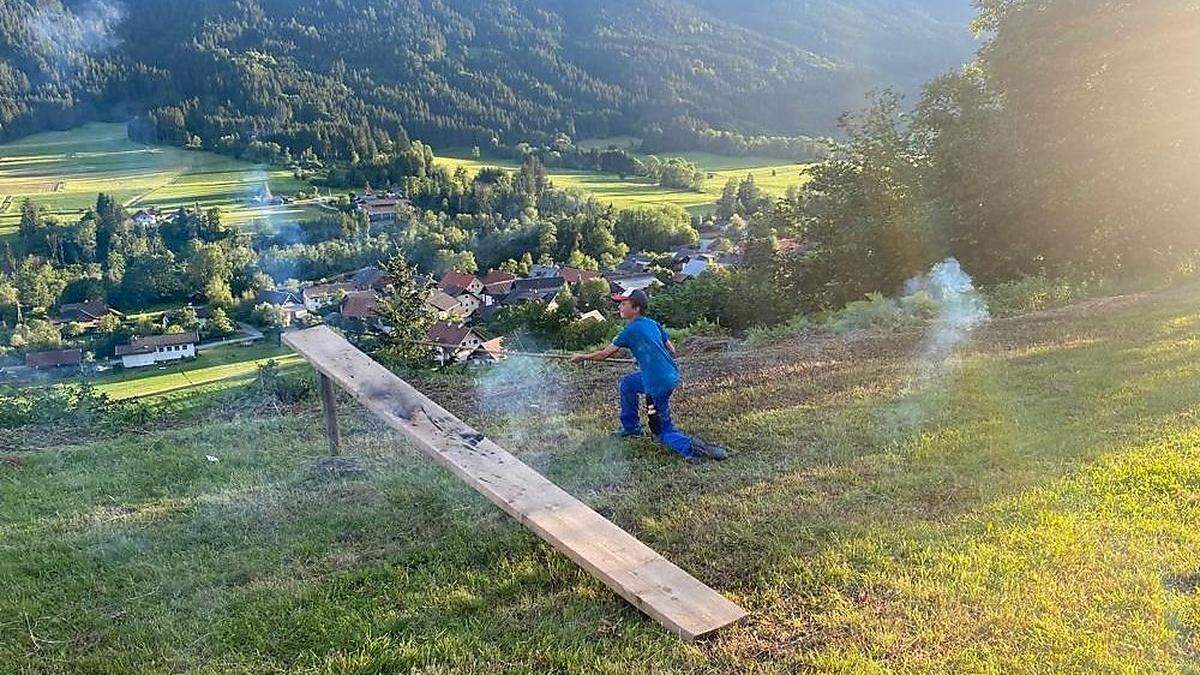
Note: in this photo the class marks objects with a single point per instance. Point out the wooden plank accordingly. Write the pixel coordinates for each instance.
(633, 570)
(329, 406)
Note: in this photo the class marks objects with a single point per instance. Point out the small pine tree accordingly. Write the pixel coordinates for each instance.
(219, 324)
(405, 315)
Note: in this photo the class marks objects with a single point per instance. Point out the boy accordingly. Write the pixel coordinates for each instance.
(657, 378)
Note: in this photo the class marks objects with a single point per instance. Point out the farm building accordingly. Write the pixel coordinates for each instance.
(83, 312)
(60, 358)
(154, 349)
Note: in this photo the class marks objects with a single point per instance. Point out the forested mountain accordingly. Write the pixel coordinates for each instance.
(345, 76)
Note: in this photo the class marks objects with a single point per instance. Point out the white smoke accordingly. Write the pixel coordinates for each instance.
(960, 310)
(529, 398)
(65, 33)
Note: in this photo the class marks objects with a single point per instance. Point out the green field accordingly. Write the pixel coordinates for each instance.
(229, 365)
(64, 170)
(773, 175)
(1031, 508)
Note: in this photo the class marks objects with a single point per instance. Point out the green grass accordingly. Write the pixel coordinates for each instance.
(229, 365)
(773, 175)
(64, 170)
(1030, 508)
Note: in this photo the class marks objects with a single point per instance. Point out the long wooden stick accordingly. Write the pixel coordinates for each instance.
(535, 355)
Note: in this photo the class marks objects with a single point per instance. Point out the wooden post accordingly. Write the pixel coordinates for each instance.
(329, 403)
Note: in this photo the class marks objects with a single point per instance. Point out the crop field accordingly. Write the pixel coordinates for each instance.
(64, 170)
(773, 175)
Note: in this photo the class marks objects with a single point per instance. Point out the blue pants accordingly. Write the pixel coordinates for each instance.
(631, 389)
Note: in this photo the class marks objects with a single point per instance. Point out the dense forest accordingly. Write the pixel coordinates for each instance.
(349, 79)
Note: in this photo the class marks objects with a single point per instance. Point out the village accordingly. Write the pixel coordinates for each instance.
(464, 305)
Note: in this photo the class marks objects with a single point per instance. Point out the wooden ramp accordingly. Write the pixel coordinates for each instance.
(646, 579)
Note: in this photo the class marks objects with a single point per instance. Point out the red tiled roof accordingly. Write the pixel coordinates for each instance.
(499, 277)
(494, 349)
(360, 305)
(456, 278)
(574, 276)
(448, 335)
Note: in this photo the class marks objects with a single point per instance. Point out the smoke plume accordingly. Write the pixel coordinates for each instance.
(66, 34)
(960, 310)
(528, 397)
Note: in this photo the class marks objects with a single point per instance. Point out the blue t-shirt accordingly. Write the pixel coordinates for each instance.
(647, 339)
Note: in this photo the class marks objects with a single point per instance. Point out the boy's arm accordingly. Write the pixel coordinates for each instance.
(598, 355)
(671, 348)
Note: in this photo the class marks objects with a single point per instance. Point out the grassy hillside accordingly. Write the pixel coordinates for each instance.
(1030, 508)
(64, 170)
(773, 175)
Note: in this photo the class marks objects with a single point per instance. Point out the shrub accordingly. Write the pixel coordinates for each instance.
(879, 312)
(79, 404)
(1035, 293)
(763, 335)
(287, 389)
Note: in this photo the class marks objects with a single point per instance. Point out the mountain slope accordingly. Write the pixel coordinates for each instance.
(324, 73)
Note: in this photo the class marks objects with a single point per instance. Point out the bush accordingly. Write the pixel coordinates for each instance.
(879, 312)
(79, 404)
(763, 335)
(287, 389)
(699, 328)
(1036, 293)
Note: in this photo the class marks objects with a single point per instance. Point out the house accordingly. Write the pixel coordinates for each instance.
(497, 282)
(627, 283)
(380, 210)
(454, 342)
(152, 349)
(491, 351)
(360, 306)
(323, 295)
(544, 271)
(467, 300)
(369, 278)
(84, 312)
(442, 302)
(635, 263)
(61, 358)
(574, 276)
(545, 289)
(290, 305)
(463, 280)
(697, 265)
(145, 217)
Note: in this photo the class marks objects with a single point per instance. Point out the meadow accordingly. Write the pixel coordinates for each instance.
(1029, 506)
(772, 175)
(229, 365)
(64, 170)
